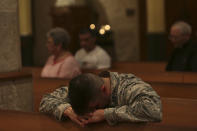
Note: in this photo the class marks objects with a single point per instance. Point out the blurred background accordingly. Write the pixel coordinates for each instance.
(129, 30)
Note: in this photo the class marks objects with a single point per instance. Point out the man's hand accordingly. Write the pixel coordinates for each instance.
(71, 114)
(96, 116)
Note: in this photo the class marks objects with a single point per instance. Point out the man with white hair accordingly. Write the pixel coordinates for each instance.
(184, 56)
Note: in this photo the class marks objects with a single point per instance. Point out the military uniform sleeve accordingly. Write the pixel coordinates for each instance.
(144, 107)
(55, 103)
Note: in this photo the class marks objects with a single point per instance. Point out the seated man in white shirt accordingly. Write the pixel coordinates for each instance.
(91, 56)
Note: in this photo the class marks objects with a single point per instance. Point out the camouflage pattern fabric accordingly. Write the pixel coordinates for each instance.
(132, 100)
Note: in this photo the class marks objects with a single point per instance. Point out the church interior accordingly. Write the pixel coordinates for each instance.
(135, 34)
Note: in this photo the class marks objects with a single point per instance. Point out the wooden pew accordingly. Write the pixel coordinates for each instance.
(152, 73)
(175, 90)
(148, 71)
(190, 77)
(178, 114)
(167, 84)
(162, 77)
(139, 66)
(43, 86)
(171, 84)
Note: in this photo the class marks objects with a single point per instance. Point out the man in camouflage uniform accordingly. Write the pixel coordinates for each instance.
(111, 96)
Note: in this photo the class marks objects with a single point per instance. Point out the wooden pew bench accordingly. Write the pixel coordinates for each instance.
(190, 77)
(178, 114)
(172, 90)
(43, 86)
(139, 66)
(175, 90)
(167, 84)
(171, 84)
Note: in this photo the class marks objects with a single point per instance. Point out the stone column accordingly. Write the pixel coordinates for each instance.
(10, 55)
(16, 92)
(123, 17)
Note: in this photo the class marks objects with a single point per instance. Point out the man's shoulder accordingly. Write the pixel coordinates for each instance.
(63, 88)
(99, 50)
(80, 52)
(192, 46)
(122, 76)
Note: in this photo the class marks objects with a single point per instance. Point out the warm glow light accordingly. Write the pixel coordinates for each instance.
(102, 31)
(92, 26)
(107, 27)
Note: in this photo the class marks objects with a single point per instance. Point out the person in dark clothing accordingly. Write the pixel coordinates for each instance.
(184, 56)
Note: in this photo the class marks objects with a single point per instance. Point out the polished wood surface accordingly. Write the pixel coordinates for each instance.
(10, 76)
(43, 86)
(190, 77)
(179, 109)
(164, 89)
(148, 71)
(164, 77)
(178, 114)
(175, 90)
(138, 66)
(166, 84)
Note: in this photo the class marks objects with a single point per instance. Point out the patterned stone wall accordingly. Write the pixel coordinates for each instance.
(122, 15)
(16, 95)
(10, 58)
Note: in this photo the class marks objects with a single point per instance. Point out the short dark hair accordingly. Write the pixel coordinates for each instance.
(88, 30)
(104, 74)
(59, 36)
(84, 89)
